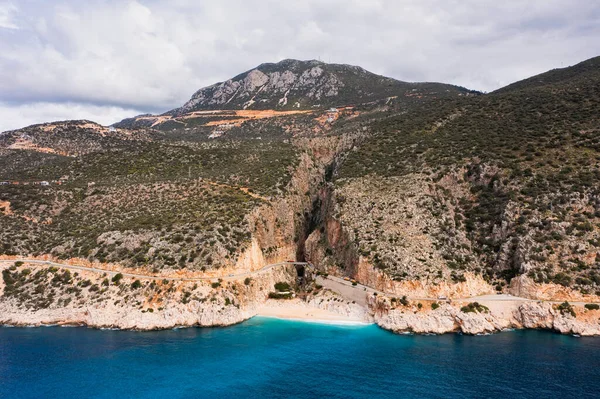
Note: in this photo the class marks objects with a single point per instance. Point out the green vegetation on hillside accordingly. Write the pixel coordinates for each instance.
(528, 160)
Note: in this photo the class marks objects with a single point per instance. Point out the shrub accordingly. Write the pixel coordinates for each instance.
(216, 284)
(117, 278)
(404, 301)
(474, 307)
(247, 280)
(566, 307)
(279, 295)
(435, 305)
(136, 284)
(592, 306)
(282, 287)
(18, 263)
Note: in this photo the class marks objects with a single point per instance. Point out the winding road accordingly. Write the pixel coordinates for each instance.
(147, 277)
(357, 293)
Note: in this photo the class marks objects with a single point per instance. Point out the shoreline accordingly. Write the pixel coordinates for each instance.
(356, 323)
(341, 323)
(311, 313)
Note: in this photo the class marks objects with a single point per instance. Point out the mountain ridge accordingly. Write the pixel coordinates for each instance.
(307, 83)
(294, 85)
(590, 66)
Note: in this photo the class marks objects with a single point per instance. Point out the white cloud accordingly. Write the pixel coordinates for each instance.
(17, 116)
(152, 55)
(7, 11)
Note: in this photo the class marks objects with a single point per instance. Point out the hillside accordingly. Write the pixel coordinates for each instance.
(144, 197)
(581, 73)
(500, 185)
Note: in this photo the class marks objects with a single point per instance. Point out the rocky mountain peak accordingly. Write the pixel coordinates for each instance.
(294, 84)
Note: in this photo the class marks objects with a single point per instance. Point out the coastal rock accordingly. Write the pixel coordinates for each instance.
(501, 316)
(570, 325)
(440, 321)
(535, 315)
(480, 323)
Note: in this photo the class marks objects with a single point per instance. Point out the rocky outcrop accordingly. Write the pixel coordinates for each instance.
(306, 82)
(545, 316)
(290, 83)
(506, 315)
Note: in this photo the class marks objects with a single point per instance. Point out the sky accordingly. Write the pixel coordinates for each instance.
(105, 60)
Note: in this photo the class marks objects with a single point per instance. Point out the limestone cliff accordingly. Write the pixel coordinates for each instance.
(495, 317)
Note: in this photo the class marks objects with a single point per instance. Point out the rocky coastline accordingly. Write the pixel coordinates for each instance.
(187, 305)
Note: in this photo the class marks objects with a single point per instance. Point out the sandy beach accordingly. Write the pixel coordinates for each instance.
(297, 310)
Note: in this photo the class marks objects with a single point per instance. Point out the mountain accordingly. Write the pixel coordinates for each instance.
(292, 86)
(421, 191)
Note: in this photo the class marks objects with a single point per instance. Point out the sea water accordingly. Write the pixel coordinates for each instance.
(269, 358)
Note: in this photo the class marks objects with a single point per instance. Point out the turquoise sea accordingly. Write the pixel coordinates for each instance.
(269, 358)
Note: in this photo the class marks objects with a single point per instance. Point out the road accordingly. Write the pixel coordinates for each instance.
(147, 277)
(358, 293)
(347, 289)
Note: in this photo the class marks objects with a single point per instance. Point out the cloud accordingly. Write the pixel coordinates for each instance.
(7, 11)
(17, 116)
(152, 55)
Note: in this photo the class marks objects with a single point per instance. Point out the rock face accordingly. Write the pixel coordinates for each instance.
(293, 84)
(450, 318)
(543, 315)
(525, 287)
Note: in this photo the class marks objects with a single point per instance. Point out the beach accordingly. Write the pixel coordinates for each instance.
(298, 310)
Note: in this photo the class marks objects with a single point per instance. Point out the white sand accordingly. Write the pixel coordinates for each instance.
(296, 310)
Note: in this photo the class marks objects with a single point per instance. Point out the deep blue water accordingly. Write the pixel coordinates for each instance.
(266, 358)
